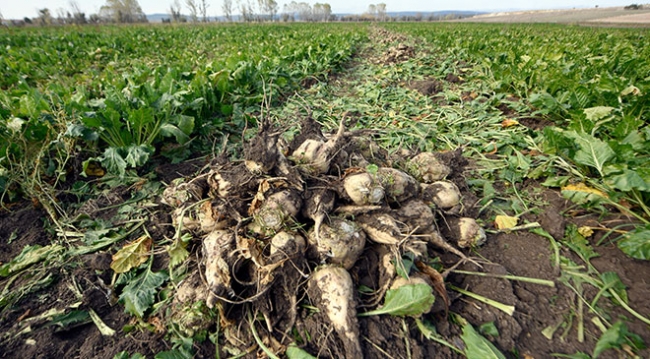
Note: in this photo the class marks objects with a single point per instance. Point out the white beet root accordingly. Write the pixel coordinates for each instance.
(339, 242)
(333, 292)
(399, 186)
(445, 195)
(287, 245)
(380, 228)
(468, 232)
(276, 210)
(417, 215)
(426, 167)
(363, 189)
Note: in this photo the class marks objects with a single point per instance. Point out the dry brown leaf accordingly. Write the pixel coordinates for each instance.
(438, 282)
(509, 123)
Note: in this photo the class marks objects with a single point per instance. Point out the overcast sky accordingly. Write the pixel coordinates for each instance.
(17, 9)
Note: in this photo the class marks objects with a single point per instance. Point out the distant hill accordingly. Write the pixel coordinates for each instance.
(589, 16)
(436, 13)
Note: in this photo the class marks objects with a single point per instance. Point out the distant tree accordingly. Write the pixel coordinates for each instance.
(193, 7)
(372, 11)
(203, 9)
(60, 16)
(175, 12)
(77, 17)
(44, 17)
(122, 11)
(268, 8)
(304, 11)
(246, 10)
(322, 12)
(227, 9)
(381, 12)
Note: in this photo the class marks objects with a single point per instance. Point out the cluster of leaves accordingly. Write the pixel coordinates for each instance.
(125, 91)
(591, 83)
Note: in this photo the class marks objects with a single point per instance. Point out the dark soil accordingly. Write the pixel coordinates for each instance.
(427, 87)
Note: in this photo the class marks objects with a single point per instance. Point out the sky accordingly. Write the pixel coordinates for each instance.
(17, 9)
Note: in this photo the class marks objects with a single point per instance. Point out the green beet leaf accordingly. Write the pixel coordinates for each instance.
(477, 347)
(139, 294)
(636, 244)
(627, 181)
(411, 299)
(293, 352)
(138, 155)
(593, 152)
(615, 337)
(71, 319)
(114, 162)
(598, 112)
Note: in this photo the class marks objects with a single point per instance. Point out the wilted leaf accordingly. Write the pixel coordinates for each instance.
(586, 231)
(178, 353)
(612, 281)
(93, 168)
(476, 346)
(489, 328)
(505, 222)
(636, 244)
(580, 193)
(411, 299)
(132, 255)
(113, 161)
(509, 123)
(293, 352)
(137, 156)
(28, 256)
(125, 355)
(598, 112)
(139, 294)
(178, 251)
(577, 243)
(631, 90)
(74, 317)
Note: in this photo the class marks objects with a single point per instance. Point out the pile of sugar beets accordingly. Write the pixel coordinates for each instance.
(294, 225)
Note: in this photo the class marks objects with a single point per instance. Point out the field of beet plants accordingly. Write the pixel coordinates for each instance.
(396, 190)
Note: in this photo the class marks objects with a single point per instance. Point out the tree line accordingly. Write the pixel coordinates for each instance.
(129, 11)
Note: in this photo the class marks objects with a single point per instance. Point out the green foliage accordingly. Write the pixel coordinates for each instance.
(129, 93)
(636, 244)
(616, 336)
(476, 346)
(75, 317)
(411, 300)
(125, 355)
(293, 352)
(140, 292)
